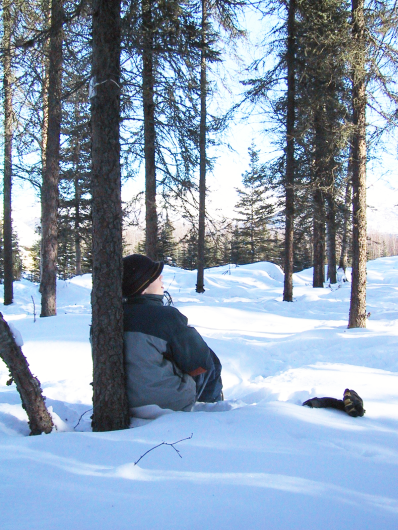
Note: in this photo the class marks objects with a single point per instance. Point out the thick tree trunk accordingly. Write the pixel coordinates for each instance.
(110, 407)
(49, 189)
(148, 83)
(289, 177)
(357, 318)
(319, 239)
(200, 286)
(7, 88)
(27, 385)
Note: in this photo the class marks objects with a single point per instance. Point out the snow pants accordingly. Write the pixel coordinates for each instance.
(209, 384)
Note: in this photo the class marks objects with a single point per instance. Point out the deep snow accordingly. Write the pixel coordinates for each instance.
(259, 460)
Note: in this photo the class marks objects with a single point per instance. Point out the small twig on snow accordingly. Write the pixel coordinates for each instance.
(165, 443)
(81, 417)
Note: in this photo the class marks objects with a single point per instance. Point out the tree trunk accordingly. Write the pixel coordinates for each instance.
(44, 125)
(148, 83)
(318, 198)
(346, 218)
(76, 156)
(330, 194)
(49, 190)
(78, 250)
(331, 234)
(28, 386)
(252, 242)
(110, 406)
(200, 286)
(44, 91)
(289, 178)
(7, 88)
(357, 318)
(319, 239)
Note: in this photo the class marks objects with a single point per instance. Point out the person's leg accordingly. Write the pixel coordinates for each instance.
(209, 384)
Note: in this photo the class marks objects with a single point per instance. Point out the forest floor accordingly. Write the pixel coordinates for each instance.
(257, 460)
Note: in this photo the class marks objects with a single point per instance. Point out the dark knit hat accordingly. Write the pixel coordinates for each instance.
(138, 272)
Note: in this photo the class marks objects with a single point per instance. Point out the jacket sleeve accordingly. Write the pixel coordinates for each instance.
(187, 348)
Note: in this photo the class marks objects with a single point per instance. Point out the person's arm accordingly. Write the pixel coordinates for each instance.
(188, 349)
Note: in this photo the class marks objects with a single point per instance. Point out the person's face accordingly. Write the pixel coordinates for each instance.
(156, 287)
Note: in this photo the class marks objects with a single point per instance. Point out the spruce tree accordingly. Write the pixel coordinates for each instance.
(167, 246)
(74, 219)
(161, 93)
(323, 99)
(189, 249)
(16, 263)
(49, 188)
(225, 14)
(255, 214)
(357, 316)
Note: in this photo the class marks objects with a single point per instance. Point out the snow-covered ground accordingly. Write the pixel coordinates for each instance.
(258, 460)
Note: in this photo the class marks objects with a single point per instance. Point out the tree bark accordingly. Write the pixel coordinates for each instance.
(357, 317)
(110, 406)
(330, 193)
(319, 239)
(8, 119)
(346, 219)
(78, 250)
(76, 159)
(289, 177)
(200, 286)
(331, 234)
(319, 198)
(44, 91)
(148, 83)
(49, 190)
(27, 385)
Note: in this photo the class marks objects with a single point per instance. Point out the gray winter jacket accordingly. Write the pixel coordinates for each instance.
(162, 355)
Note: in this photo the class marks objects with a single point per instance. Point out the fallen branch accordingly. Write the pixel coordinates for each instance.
(27, 385)
(89, 410)
(165, 443)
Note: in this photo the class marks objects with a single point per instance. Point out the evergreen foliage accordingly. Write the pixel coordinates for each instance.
(74, 217)
(17, 266)
(252, 240)
(167, 246)
(189, 249)
(165, 46)
(34, 270)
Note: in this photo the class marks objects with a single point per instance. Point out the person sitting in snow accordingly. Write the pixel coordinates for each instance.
(167, 362)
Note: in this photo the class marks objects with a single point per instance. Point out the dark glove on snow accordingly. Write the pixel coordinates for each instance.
(324, 402)
(353, 404)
